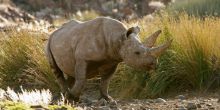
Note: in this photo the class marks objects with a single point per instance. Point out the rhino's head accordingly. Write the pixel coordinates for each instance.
(141, 55)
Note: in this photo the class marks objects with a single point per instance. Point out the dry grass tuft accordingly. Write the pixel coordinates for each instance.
(23, 61)
(192, 62)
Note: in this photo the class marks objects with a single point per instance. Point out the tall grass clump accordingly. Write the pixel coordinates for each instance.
(199, 8)
(128, 82)
(23, 61)
(191, 63)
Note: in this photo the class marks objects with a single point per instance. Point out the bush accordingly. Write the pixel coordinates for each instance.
(23, 61)
(200, 8)
(192, 62)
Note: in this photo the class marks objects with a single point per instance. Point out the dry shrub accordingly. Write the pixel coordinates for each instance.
(23, 61)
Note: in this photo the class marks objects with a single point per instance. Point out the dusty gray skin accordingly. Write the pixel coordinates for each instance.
(82, 50)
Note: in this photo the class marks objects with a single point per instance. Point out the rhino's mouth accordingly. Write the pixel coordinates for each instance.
(149, 67)
(145, 67)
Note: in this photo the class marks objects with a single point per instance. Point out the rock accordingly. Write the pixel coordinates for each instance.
(180, 107)
(202, 103)
(87, 101)
(211, 108)
(191, 106)
(10, 13)
(101, 102)
(79, 108)
(181, 97)
(151, 101)
(113, 104)
(147, 103)
(160, 100)
(143, 108)
(199, 105)
(103, 108)
(209, 105)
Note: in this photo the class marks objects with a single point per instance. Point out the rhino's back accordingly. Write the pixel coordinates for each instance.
(90, 41)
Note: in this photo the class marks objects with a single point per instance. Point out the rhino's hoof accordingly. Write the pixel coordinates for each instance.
(55, 98)
(86, 101)
(109, 99)
(101, 102)
(69, 98)
(113, 103)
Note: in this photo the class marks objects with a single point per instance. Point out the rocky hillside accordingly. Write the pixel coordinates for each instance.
(11, 15)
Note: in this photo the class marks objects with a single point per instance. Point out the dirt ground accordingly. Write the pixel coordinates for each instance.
(184, 101)
(179, 102)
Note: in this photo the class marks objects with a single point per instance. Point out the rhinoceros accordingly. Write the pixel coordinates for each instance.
(82, 50)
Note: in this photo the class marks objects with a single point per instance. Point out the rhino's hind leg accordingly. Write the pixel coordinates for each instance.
(70, 81)
(60, 80)
(105, 80)
(80, 80)
(61, 83)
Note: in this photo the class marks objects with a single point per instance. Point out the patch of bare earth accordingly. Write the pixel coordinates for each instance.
(187, 101)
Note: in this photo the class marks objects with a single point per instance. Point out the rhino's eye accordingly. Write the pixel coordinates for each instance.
(137, 53)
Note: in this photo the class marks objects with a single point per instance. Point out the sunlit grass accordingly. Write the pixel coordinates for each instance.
(27, 99)
(191, 63)
(33, 97)
(23, 61)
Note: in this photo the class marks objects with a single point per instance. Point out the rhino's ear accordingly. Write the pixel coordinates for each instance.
(132, 30)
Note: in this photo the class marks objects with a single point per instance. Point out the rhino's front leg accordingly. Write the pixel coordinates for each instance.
(80, 80)
(104, 84)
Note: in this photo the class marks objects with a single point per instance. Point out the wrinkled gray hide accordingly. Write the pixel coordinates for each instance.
(82, 50)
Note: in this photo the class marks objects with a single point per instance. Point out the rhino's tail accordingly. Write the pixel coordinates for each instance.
(57, 71)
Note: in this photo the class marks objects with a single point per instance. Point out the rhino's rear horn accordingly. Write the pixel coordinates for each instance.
(157, 51)
(150, 41)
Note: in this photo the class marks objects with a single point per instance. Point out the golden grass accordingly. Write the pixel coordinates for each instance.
(192, 62)
(23, 61)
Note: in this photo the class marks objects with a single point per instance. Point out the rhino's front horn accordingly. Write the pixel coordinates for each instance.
(150, 41)
(156, 51)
